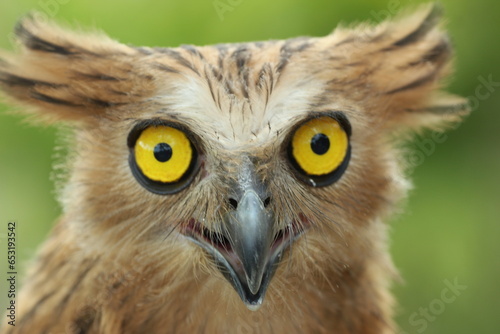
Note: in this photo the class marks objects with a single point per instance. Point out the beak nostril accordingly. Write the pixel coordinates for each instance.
(267, 201)
(233, 203)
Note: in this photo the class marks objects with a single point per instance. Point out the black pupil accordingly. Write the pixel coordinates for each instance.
(320, 143)
(163, 152)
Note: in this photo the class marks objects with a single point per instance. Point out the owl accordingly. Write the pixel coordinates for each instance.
(233, 188)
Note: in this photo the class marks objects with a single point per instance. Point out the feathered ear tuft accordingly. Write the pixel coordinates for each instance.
(398, 66)
(71, 76)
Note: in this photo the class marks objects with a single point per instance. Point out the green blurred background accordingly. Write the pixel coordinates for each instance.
(450, 229)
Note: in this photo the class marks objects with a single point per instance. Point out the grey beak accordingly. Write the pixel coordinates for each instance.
(249, 229)
(247, 249)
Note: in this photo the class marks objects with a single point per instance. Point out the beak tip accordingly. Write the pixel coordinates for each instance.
(254, 306)
(254, 277)
(253, 287)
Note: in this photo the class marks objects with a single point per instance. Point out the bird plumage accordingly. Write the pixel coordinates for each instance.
(122, 258)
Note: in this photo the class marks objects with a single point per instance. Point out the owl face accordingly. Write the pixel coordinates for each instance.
(242, 179)
(255, 162)
(247, 240)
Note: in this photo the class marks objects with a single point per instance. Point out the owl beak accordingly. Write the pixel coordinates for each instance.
(249, 229)
(248, 247)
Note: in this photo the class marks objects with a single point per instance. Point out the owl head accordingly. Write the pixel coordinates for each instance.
(256, 162)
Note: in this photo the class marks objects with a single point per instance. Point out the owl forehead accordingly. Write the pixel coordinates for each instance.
(243, 95)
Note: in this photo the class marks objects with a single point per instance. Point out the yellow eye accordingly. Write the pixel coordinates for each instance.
(319, 147)
(163, 153)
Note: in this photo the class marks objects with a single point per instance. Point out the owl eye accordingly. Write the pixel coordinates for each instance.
(319, 149)
(162, 158)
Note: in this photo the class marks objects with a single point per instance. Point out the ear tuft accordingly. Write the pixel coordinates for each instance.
(35, 35)
(400, 65)
(71, 76)
(430, 21)
(28, 39)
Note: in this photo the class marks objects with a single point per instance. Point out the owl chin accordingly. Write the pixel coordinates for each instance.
(248, 269)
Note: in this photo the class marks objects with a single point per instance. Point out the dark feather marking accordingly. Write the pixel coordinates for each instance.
(227, 86)
(145, 76)
(26, 317)
(193, 50)
(35, 43)
(442, 110)
(417, 83)
(84, 320)
(176, 55)
(288, 50)
(217, 74)
(230, 119)
(165, 68)
(427, 24)
(143, 50)
(74, 287)
(303, 46)
(437, 54)
(376, 38)
(244, 85)
(104, 104)
(335, 58)
(354, 64)
(266, 70)
(341, 82)
(242, 55)
(284, 57)
(172, 230)
(53, 100)
(260, 77)
(322, 99)
(14, 80)
(259, 45)
(346, 40)
(356, 83)
(271, 79)
(222, 48)
(209, 82)
(98, 76)
(219, 99)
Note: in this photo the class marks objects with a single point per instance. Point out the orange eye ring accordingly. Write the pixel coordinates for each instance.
(319, 148)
